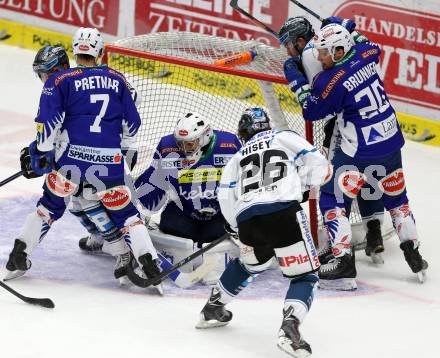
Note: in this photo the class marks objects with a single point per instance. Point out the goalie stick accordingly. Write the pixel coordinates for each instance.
(11, 178)
(141, 282)
(43, 302)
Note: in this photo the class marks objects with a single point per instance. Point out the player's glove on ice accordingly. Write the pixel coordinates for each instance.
(349, 24)
(40, 162)
(297, 82)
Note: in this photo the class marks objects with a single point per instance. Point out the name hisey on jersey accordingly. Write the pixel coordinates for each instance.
(271, 170)
(191, 185)
(354, 92)
(88, 134)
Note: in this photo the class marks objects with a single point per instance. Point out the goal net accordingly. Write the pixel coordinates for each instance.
(174, 73)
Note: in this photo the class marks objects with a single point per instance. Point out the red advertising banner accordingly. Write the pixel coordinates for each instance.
(102, 14)
(210, 17)
(410, 42)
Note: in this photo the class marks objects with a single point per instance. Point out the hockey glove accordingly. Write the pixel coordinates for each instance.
(41, 162)
(349, 24)
(297, 82)
(25, 163)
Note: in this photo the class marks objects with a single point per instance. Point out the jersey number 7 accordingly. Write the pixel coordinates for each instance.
(95, 128)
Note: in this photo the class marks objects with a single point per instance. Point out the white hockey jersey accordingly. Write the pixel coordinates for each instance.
(268, 173)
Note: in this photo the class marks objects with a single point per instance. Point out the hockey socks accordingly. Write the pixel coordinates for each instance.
(235, 278)
(300, 294)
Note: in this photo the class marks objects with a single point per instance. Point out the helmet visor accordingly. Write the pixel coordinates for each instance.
(188, 146)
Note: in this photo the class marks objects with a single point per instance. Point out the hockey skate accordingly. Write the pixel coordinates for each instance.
(214, 314)
(325, 254)
(338, 274)
(289, 338)
(374, 238)
(122, 261)
(92, 243)
(18, 262)
(142, 270)
(414, 259)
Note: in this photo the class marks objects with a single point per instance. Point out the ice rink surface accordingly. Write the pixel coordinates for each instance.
(390, 316)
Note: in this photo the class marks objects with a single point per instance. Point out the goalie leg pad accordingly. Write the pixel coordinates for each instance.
(219, 257)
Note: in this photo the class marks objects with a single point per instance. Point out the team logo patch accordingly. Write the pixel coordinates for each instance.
(351, 182)
(116, 198)
(201, 175)
(183, 133)
(84, 47)
(95, 155)
(394, 183)
(59, 185)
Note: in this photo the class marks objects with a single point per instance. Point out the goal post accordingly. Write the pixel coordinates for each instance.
(174, 73)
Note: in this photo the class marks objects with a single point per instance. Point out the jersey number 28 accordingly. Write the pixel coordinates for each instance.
(262, 169)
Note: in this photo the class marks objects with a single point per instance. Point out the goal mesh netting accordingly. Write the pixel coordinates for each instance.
(174, 74)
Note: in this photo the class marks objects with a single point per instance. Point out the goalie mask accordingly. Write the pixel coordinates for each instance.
(192, 134)
(50, 59)
(252, 121)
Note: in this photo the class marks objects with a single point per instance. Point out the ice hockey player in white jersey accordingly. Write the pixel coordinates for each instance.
(296, 35)
(260, 193)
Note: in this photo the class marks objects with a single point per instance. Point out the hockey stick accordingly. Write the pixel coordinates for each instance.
(11, 178)
(306, 9)
(43, 302)
(138, 281)
(234, 5)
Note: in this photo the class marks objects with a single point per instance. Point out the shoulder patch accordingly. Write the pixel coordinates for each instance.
(332, 83)
(370, 52)
(168, 150)
(228, 145)
(61, 77)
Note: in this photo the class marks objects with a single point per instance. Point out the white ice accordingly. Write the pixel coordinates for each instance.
(391, 315)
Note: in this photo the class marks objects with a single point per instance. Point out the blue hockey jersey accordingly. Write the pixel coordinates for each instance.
(192, 186)
(85, 111)
(354, 92)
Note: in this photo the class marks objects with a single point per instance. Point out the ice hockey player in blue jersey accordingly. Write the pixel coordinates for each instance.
(260, 193)
(186, 169)
(370, 152)
(296, 35)
(84, 112)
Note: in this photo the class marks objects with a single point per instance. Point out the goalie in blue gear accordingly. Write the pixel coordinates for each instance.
(183, 180)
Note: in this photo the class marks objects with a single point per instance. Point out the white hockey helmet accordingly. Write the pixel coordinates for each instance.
(192, 133)
(87, 41)
(331, 37)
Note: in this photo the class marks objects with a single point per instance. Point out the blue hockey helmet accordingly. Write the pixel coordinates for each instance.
(50, 59)
(252, 121)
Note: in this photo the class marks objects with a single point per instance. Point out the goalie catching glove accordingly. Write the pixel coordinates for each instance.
(35, 163)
